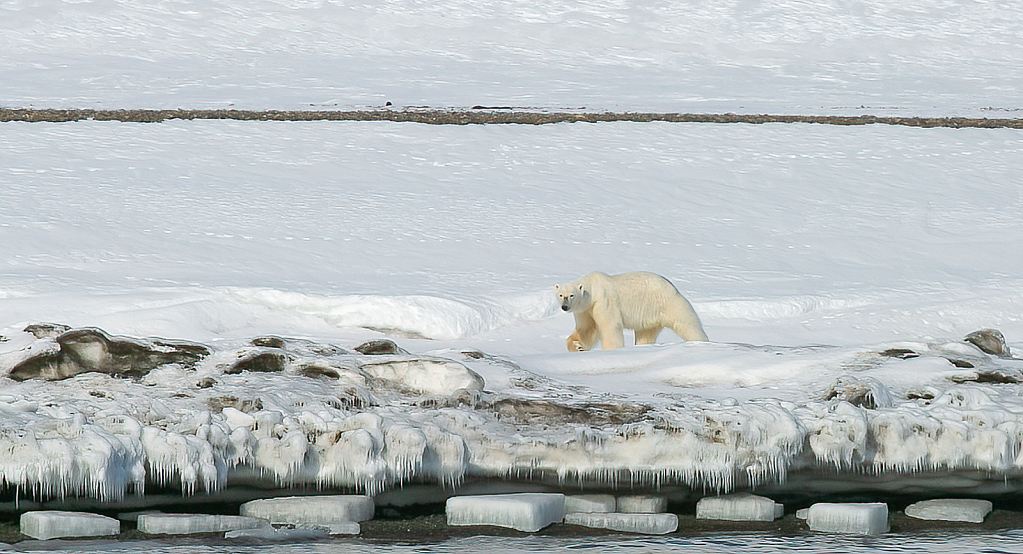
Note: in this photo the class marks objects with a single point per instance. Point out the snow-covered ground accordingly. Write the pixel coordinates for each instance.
(836, 269)
(915, 57)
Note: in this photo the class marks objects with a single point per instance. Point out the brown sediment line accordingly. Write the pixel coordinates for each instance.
(484, 115)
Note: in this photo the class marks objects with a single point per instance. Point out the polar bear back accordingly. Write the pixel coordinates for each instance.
(644, 300)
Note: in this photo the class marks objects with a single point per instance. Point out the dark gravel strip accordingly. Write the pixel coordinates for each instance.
(486, 116)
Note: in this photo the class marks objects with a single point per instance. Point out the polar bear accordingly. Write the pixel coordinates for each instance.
(604, 305)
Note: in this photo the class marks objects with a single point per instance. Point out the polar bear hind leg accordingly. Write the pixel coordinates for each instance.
(689, 330)
(647, 336)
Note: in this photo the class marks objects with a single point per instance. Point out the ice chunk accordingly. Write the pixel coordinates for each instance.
(864, 519)
(54, 524)
(187, 524)
(342, 528)
(528, 512)
(589, 503)
(950, 509)
(648, 524)
(311, 509)
(739, 507)
(280, 534)
(642, 504)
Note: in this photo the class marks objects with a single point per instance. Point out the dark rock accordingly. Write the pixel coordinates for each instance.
(266, 360)
(990, 375)
(206, 383)
(962, 364)
(47, 330)
(867, 393)
(989, 341)
(318, 370)
(380, 347)
(268, 342)
(85, 350)
(900, 353)
(247, 405)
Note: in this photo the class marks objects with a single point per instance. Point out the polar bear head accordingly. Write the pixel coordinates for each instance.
(573, 297)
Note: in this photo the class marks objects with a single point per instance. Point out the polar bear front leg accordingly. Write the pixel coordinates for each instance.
(609, 325)
(585, 335)
(575, 342)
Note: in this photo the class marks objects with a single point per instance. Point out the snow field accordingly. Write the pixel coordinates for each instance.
(867, 56)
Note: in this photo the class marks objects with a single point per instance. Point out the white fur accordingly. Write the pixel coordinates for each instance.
(604, 305)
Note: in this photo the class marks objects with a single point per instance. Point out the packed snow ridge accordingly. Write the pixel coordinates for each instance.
(85, 413)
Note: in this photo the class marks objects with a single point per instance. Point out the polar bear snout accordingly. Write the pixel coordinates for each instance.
(565, 307)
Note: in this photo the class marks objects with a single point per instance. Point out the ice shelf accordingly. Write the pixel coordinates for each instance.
(527, 512)
(950, 509)
(311, 509)
(187, 524)
(648, 524)
(55, 524)
(859, 518)
(739, 507)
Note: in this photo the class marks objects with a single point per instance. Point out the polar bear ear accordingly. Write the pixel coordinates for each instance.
(557, 287)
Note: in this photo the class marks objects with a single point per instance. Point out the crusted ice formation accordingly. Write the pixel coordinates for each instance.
(335, 417)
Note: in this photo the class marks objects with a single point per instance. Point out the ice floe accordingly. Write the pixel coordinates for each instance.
(950, 509)
(648, 524)
(60, 524)
(315, 510)
(527, 512)
(590, 503)
(187, 524)
(869, 518)
(739, 507)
